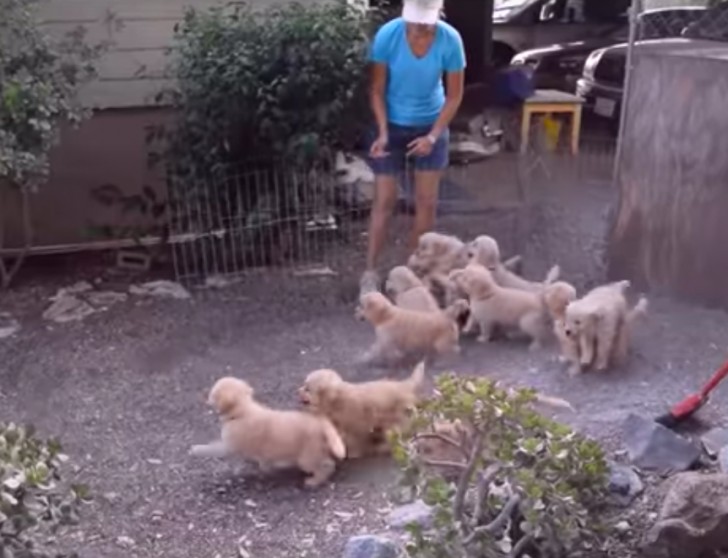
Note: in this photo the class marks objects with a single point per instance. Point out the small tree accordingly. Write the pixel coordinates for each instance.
(520, 484)
(34, 503)
(39, 82)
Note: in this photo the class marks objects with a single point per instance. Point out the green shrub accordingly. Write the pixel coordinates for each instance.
(286, 83)
(34, 502)
(522, 483)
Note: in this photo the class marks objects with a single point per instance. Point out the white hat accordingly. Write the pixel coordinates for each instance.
(422, 11)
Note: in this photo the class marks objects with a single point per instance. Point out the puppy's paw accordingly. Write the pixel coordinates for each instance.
(198, 450)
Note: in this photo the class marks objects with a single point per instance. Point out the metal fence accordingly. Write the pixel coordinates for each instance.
(315, 223)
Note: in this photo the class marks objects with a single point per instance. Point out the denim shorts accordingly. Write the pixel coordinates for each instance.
(396, 162)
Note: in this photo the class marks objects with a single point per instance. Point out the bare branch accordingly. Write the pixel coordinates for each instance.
(521, 545)
(442, 437)
(450, 464)
(498, 523)
(467, 476)
(486, 478)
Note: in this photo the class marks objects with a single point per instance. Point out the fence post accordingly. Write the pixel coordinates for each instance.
(634, 11)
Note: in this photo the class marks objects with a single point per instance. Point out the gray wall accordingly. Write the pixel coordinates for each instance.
(671, 233)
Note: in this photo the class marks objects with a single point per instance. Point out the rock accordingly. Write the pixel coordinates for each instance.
(76, 288)
(165, 289)
(623, 527)
(104, 299)
(653, 447)
(693, 519)
(624, 483)
(9, 326)
(68, 308)
(125, 542)
(723, 460)
(417, 512)
(714, 440)
(370, 546)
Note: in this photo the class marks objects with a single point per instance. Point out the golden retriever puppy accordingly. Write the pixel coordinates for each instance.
(437, 255)
(492, 305)
(485, 251)
(363, 413)
(409, 292)
(624, 336)
(270, 437)
(601, 323)
(402, 333)
(557, 297)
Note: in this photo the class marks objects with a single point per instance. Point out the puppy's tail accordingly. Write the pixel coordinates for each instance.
(417, 377)
(333, 439)
(553, 275)
(639, 310)
(513, 264)
(457, 309)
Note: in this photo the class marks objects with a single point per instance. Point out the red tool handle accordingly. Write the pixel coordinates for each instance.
(715, 380)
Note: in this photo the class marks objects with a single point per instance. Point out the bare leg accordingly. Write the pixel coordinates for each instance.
(385, 196)
(427, 186)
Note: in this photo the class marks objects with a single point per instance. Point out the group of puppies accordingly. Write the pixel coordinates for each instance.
(447, 288)
(450, 287)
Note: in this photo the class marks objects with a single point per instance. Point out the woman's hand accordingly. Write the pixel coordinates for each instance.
(379, 147)
(420, 147)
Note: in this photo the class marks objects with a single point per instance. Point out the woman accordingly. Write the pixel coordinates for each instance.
(409, 57)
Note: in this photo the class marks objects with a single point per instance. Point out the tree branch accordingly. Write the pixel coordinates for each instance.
(443, 438)
(466, 477)
(521, 545)
(498, 523)
(486, 479)
(451, 464)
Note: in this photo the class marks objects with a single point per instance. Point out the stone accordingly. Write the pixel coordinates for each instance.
(104, 299)
(9, 326)
(417, 512)
(68, 308)
(125, 542)
(714, 440)
(624, 483)
(653, 447)
(623, 527)
(370, 546)
(162, 288)
(723, 460)
(693, 519)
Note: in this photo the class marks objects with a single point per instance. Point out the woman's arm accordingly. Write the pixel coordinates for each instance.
(455, 82)
(376, 96)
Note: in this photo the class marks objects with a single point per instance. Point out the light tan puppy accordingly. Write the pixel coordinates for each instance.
(409, 292)
(621, 349)
(492, 305)
(271, 438)
(362, 413)
(601, 322)
(437, 255)
(485, 251)
(557, 297)
(401, 333)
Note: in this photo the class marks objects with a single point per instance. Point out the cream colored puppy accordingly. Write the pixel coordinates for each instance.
(601, 322)
(557, 297)
(437, 255)
(485, 251)
(270, 437)
(492, 305)
(409, 292)
(401, 333)
(363, 413)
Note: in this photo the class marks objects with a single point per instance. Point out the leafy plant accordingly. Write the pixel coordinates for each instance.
(34, 503)
(39, 82)
(513, 483)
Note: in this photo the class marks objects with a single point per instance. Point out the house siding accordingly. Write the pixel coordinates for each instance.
(132, 72)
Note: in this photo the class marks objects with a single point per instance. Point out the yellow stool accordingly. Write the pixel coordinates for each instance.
(550, 101)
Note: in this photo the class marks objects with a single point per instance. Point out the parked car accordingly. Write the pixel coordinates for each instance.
(602, 81)
(520, 25)
(560, 66)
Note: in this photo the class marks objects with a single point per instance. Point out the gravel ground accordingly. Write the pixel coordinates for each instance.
(125, 391)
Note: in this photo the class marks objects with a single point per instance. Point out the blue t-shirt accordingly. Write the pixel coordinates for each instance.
(415, 93)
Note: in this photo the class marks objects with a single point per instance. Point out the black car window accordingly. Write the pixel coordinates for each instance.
(662, 24)
(711, 26)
